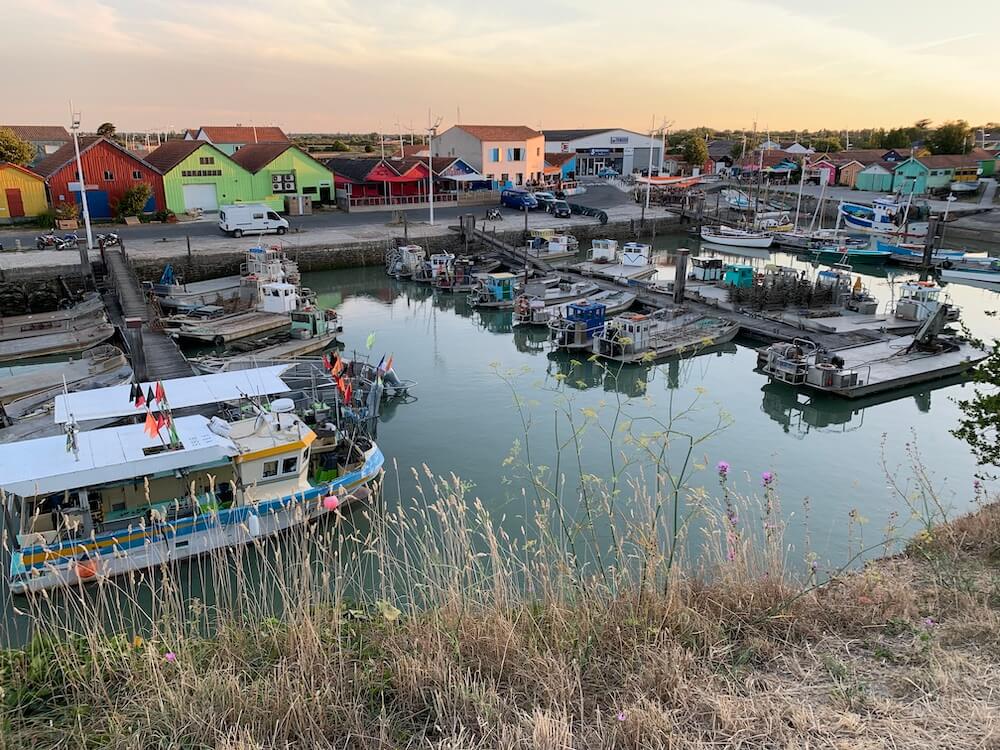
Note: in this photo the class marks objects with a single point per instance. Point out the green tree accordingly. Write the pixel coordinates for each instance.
(107, 129)
(133, 200)
(950, 138)
(695, 151)
(14, 149)
(827, 145)
(369, 148)
(339, 145)
(896, 138)
(737, 150)
(979, 425)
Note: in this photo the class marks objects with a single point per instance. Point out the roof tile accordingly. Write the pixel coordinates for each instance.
(500, 132)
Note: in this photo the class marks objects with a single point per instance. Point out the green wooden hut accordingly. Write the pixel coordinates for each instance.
(910, 176)
(198, 176)
(280, 170)
(876, 177)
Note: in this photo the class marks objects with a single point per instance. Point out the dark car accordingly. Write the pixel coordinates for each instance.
(545, 200)
(560, 209)
(519, 199)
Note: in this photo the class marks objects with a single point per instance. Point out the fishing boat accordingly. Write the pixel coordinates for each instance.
(885, 216)
(464, 274)
(553, 248)
(983, 273)
(664, 333)
(494, 291)
(74, 329)
(912, 254)
(548, 234)
(562, 291)
(632, 262)
(98, 504)
(311, 330)
(403, 261)
(575, 330)
(846, 254)
(436, 266)
(731, 237)
(532, 311)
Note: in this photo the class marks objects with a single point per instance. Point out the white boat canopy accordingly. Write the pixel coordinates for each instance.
(113, 402)
(113, 454)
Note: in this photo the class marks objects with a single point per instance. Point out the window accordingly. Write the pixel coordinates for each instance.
(538, 152)
(109, 175)
(309, 191)
(270, 469)
(520, 178)
(201, 173)
(515, 154)
(290, 465)
(494, 154)
(283, 182)
(136, 174)
(505, 177)
(258, 216)
(206, 160)
(273, 216)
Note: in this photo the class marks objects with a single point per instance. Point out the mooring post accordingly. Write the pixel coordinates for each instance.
(133, 327)
(928, 261)
(188, 238)
(680, 276)
(406, 230)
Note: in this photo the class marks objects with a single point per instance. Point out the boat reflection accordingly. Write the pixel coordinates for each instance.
(799, 413)
(531, 339)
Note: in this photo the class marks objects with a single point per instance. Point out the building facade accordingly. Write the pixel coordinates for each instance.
(910, 176)
(847, 172)
(198, 176)
(280, 170)
(46, 139)
(231, 138)
(876, 177)
(22, 193)
(508, 155)
(109, 170)
(597, 149)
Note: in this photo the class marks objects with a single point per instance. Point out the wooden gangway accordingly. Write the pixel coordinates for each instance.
(509, 254)
(154, 354)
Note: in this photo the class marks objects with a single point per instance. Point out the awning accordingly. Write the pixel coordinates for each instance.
(464, 177)
(114, 454)
(109, 403)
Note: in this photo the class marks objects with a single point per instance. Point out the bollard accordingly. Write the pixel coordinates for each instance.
(680, 276)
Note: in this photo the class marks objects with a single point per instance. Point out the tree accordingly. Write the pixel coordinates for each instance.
(369, 148)
(827, 145)
(979, 425)
(133, 200)
(339, 145)
(107, 129)
(14, 149)
(695, 151)
(737, 150)
(896, 138)
(950, 138)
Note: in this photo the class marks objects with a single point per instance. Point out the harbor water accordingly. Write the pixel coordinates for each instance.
(470, 366)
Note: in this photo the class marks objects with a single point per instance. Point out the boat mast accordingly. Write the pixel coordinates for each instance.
(802, 182)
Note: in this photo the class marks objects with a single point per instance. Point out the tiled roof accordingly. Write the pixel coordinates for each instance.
(353, 169)
(172, 153)
(33, 133)
(19, 168)
(500, 132)
(982, 154)
(243, 134)
(558, 159)
(255, 156)
(869, 155)
(945, 161)
(415, 149)
(66, 153)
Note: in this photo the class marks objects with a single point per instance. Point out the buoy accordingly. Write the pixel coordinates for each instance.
(86, 568)
(253, 525)
(331, 502)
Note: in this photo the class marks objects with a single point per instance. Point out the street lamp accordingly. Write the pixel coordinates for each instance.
(84, 253)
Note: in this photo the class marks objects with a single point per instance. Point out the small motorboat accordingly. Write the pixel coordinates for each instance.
(731, 237)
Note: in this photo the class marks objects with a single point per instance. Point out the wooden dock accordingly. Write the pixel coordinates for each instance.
(154, 354)
(509, 254)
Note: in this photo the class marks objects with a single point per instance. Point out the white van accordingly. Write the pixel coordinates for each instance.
(250, 218)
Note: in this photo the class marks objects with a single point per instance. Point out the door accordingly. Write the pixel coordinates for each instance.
(98, 203)
(200, 196)
(324, 195)
(15, 206)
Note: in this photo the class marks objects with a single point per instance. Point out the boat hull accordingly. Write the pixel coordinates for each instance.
(737, 240)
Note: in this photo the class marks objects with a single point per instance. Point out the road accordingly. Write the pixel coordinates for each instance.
(597, 196)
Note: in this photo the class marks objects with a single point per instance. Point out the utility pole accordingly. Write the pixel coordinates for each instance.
(431, 132)
(84, 252)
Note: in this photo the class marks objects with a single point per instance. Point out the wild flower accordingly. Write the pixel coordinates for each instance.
(621, 716)
(767, 478)
(723, 469)
(170, 656)
(928, 622)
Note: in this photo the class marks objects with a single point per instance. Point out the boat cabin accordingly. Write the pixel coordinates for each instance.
(636, 254)
(440, 264)
(500, 286)
(919, 300)
(312, 322)
(738, 275)
(706, 268)
(781, 273)
(279, 297)
(411, 257)
(577, 328)
(603, 251)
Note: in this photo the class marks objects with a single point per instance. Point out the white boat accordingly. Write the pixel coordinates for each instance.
(885, 216)
(633, 261)
(730, 237)
(964, 187)
(981, 273)
(533, 311)
(664, 333)
(437, 266)
(556, 247)
(403, 261)
(93, 504)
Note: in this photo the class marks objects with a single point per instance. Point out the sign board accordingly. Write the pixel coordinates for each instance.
(564, 147)
(600, 151)
(619, 139)
(74, 187)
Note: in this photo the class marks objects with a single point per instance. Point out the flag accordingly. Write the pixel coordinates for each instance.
(140, 400)
(131, 392)
(150, 427)
(173, 431)
(338, 365)
(150, 396)
(388, 364)
(340, 385)
(161, 395)
(161, 422)
(348, 393)
(326, 363)
(378, 367)
(371, 340)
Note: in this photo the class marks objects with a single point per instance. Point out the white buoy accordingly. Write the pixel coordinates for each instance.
(253, 524)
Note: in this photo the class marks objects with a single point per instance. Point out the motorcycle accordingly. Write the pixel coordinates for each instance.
(59, 243)
(494, 214)
(108, 240)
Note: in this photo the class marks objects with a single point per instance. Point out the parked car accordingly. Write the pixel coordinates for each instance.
(607, 172)
(252, 218)
(545, 199)
(522, 200)
(560, 209)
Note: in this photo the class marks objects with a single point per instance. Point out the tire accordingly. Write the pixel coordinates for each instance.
(218, 341)
(40, 245)
(237, 233)
(281, 230)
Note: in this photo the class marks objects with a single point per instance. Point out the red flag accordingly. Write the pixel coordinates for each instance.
(340, 385)
(348, 393)
(388, 364)
(150, 427)
(140, 400)
(161, 422)
(160, 393)
(326, 362)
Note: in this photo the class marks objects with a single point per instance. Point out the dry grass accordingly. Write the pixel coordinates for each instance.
(507, 643)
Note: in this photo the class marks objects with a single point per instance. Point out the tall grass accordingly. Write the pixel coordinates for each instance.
(585, 621)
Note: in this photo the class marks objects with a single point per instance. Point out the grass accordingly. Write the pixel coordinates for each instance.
(582, 624)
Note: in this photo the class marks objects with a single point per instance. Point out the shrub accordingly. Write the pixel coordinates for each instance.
(133, 200)
(46, 219)
(66, 211)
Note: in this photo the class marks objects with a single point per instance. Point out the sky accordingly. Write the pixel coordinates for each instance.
(384, 65)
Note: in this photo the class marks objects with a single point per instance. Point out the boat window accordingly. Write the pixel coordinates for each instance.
(270, 469)
(289, 465)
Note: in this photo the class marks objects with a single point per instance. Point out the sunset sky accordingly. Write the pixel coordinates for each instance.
(348, 65)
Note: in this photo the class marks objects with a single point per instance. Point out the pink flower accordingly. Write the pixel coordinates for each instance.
(928, 622)
(766, 478)
(621, 716)
(723, 469)
(170, 656)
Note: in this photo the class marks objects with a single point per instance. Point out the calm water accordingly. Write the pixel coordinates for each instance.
(463, 421)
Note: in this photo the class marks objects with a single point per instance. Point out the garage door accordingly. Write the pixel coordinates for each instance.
(200, 196)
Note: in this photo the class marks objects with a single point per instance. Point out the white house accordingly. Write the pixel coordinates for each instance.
(624, 151)
(798, 149)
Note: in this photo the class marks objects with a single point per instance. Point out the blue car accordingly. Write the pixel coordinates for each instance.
(522, 200)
